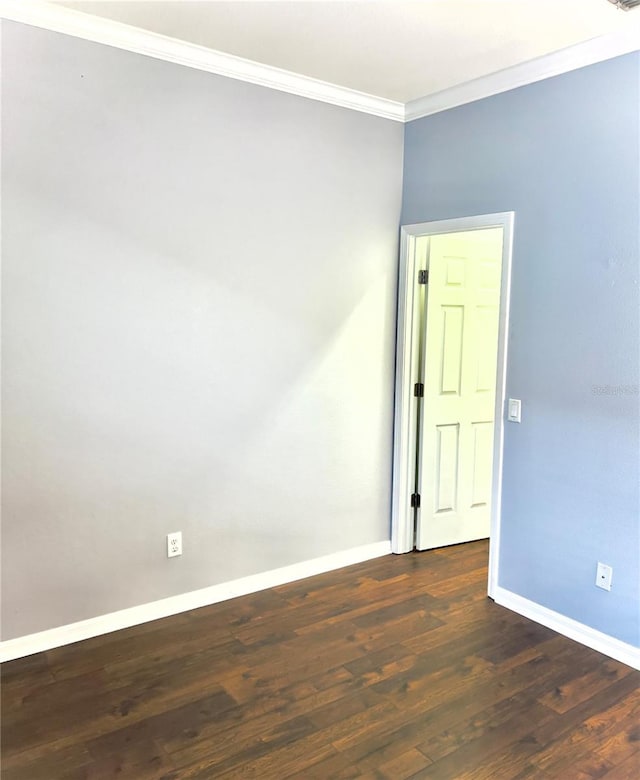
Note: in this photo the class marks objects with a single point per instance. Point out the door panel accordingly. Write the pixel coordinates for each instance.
(457, 424)
(451, 359)
(482, 455)
(447, 467)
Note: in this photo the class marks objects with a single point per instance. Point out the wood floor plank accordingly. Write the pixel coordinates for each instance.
(595, 731)
(67, 762)
(393, 669)
(623, 743)
(252, 719)
(627, 770)
(583, 686)
(402, 767)
(143, 760)
(335, 766)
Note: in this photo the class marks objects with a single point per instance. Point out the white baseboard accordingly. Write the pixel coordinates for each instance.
(125, 618)
(596, 640)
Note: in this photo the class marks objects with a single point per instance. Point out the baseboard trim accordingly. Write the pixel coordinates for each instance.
(133, 616)
(590, 637)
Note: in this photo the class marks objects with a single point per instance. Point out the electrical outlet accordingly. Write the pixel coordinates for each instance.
(174, 544)
(604, 575)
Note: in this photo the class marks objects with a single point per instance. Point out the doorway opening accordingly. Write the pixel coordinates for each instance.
(453, 314)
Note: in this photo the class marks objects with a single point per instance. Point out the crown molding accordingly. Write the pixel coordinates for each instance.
(122, 36)
(554, 64)
(38, 13)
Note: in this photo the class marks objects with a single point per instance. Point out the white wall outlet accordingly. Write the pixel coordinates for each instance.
(604, 575)
(174, 544)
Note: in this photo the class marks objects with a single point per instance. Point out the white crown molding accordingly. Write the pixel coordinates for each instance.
(92, 28)
(122, 36)
(125, 618)
(596, 640)
(563, 61)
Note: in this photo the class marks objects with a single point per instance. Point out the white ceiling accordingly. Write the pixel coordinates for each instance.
(395, 50)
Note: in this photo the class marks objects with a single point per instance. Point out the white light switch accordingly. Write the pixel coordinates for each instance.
(514, 410)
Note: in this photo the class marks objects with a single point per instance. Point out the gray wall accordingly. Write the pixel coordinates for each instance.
(198, 292)
(564, 155)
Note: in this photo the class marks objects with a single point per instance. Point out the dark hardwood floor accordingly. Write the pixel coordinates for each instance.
(395, 668)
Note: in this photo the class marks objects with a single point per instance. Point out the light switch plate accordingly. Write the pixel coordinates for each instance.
(514, 410)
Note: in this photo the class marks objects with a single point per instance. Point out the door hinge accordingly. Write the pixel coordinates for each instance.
(423, 277)
(418, 390)
(415, 500)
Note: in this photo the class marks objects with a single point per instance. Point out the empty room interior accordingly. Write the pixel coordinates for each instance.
(280, 497)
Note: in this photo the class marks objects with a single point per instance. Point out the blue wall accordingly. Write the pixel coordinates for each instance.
(564, 154)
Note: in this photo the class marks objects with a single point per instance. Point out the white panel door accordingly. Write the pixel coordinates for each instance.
(461, 349)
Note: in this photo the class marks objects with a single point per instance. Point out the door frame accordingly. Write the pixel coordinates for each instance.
(407, 360)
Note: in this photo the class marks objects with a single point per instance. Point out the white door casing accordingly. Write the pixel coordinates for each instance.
(415, 240)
